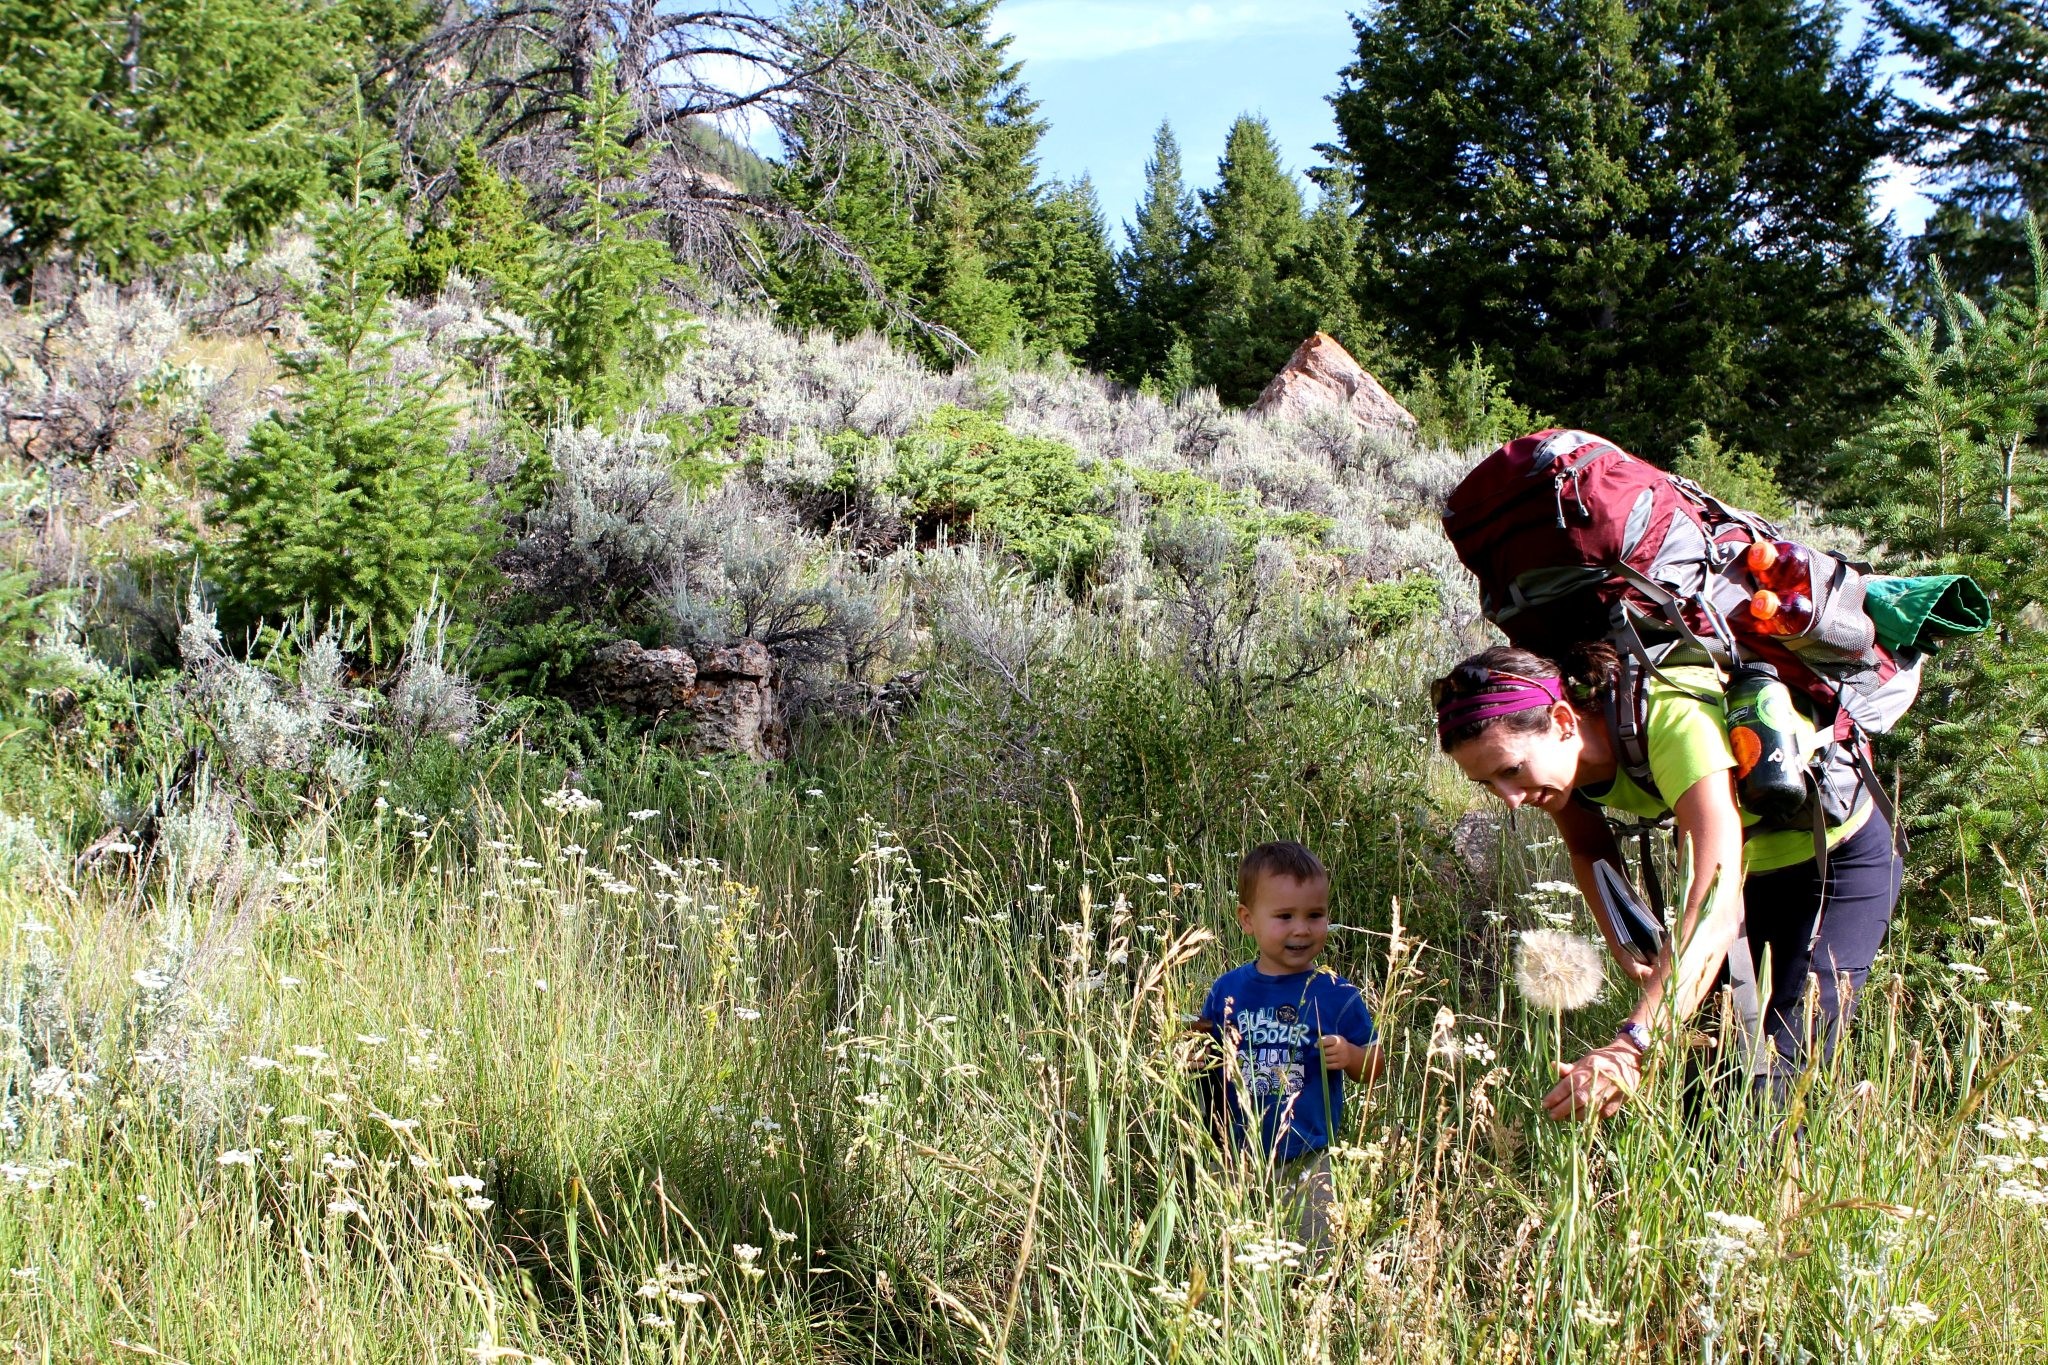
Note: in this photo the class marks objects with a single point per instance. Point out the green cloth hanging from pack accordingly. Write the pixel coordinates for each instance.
(1915, 613)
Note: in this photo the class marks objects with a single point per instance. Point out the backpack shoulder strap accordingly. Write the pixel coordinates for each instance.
(1625, 706)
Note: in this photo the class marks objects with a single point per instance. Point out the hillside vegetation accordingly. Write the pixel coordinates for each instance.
(405, 1000)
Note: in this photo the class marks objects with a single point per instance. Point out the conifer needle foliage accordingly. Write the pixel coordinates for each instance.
(606, 331)
(1951, 478)
(353, 501)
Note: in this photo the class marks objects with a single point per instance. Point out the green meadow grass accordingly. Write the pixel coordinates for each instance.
(745, 1077)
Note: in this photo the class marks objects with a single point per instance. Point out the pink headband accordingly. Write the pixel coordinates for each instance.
(1505, 694)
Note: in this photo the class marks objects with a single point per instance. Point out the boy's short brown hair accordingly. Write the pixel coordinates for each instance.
(1280, 858)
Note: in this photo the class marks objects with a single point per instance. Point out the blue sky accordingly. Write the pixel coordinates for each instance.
(1106, 71)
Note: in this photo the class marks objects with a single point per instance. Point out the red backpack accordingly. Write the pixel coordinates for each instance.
(1573, 539)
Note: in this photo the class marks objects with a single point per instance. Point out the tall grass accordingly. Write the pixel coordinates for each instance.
(726, 1070)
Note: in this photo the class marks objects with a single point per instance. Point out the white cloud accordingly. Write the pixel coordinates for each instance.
(1078, 30)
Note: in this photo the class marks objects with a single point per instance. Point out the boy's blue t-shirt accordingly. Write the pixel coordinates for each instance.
(1278, 1023)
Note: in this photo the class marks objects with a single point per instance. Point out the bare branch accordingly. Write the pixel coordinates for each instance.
(829, 80)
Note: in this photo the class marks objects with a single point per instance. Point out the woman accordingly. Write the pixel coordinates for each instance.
(1534, 734)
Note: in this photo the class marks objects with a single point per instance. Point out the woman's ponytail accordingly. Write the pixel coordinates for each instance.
(1591, 669)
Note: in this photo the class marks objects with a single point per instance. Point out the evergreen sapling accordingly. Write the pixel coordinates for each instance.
(606, 332)
(353, 501)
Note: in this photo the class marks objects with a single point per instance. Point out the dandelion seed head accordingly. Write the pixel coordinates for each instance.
(1558, 971)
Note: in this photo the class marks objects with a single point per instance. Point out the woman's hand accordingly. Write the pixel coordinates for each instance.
(1599, 1083)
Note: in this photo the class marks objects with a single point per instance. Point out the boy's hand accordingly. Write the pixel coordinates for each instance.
(1341, 1054)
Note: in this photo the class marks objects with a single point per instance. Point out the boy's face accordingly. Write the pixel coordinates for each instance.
(1289, 920)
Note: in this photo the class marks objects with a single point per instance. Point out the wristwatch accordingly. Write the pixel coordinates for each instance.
(1636, 1036)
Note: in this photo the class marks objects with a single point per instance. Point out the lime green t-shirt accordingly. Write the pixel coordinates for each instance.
(1687, 721)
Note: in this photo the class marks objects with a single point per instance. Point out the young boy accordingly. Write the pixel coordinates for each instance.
(1293, 1030)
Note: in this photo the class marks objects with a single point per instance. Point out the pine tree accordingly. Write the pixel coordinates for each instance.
(1153, 270)
(1325, 275)
(132, 133)
(1249, 322)
(354, 501)
(1652, 217)
(1953, 477)
(1061, 275)
(949, 257)
(606, 332)
(485, 232)
(1984, 130)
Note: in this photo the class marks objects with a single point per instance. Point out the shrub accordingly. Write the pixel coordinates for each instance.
(820, 618)
(88, 374)
(1235, 614)
(1470, 406)
(613, 528)
(1734, 476)
(1382, 609)
(1182, 493)
(961, 468)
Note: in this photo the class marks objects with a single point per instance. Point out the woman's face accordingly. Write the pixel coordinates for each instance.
(1526, 768)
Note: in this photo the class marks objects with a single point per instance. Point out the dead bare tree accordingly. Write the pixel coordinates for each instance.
(832, 79)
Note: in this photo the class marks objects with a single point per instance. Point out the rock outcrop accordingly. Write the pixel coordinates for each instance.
(731, 694)
(1321, 376)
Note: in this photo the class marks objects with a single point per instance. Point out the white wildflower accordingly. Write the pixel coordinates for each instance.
(1911, 1313)
(238, 1157)
(570, 801)
(1738, 1225)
